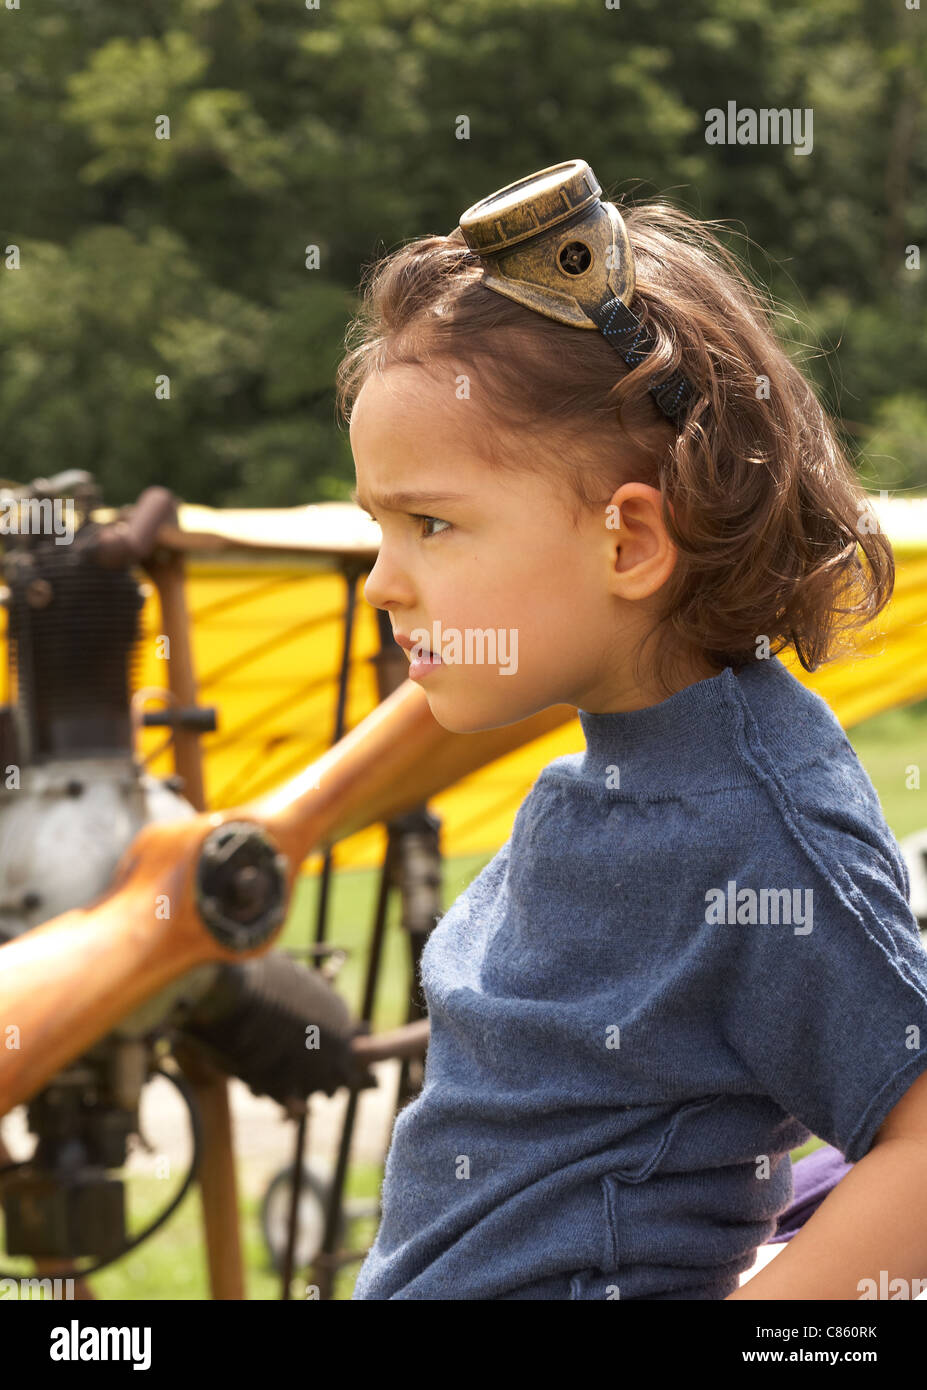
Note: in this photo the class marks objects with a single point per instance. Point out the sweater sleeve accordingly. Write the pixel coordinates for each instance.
(829, 1013)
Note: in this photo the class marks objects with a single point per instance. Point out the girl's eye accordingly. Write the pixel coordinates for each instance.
(436, 519)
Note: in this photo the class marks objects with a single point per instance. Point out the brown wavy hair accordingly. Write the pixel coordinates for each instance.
(767, 513)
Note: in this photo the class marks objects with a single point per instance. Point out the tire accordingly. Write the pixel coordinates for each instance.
(275, 1209)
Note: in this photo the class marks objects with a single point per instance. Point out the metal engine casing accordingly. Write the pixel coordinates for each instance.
(62, 833)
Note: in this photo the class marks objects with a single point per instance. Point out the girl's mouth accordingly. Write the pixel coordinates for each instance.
(420, 665)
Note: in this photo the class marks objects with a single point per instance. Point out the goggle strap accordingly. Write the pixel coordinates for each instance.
(633, 341)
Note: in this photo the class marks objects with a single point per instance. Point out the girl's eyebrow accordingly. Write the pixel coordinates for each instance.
(403, 501)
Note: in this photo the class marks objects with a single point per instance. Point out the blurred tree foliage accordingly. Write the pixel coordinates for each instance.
(338, 127)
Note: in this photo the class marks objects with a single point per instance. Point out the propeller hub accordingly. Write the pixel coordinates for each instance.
(241, 885)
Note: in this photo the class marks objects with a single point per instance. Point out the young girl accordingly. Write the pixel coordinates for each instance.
(582, 441)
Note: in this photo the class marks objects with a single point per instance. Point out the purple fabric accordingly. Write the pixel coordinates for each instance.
(813, 1177)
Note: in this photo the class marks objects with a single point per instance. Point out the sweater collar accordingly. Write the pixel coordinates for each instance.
(685, 743)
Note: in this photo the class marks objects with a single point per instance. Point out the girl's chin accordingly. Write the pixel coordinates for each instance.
(461, 721)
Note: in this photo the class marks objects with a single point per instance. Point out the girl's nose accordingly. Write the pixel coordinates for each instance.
(385, 585)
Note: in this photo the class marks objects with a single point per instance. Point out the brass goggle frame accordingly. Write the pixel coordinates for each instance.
(549, 242)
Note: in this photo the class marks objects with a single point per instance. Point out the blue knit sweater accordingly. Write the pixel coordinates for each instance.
(695, 951)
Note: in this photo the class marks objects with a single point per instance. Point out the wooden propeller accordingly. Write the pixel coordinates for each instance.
(67, 983)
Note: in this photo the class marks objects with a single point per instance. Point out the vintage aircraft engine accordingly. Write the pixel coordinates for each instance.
(73, 795)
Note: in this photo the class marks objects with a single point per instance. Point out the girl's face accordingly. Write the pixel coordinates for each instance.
(486, 569)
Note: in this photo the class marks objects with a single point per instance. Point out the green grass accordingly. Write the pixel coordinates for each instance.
(887, 747)
(172, 1264)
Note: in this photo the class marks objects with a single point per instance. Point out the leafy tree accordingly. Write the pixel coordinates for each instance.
(355, 126)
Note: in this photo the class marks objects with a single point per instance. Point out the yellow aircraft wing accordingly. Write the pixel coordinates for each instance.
(267, 594)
